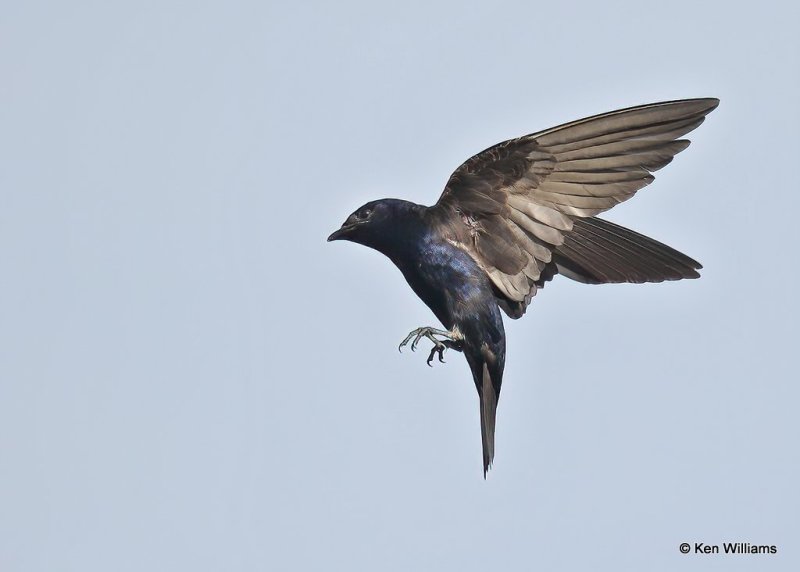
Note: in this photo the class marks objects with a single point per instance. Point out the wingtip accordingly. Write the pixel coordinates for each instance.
(701, 105)
(708, 104)
(713, 103)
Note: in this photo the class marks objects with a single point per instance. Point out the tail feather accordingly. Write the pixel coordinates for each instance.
(488, 402)
(486, 362)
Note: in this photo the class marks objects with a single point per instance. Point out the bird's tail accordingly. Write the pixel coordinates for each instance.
(488, 401)
(486, 363)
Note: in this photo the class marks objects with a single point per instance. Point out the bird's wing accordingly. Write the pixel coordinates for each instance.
(513, 206)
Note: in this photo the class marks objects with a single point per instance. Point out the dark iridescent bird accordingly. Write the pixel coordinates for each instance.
(515, 215)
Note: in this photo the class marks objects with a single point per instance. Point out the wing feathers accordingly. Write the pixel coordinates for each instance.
(591, 189)
(595, 177)
(608, 263)
(627, 119)
(581, 203)
(620, 148)
(609, 253)
(531, 200)
(652, 160)
(536, 247)
(544, 214)
(515, 286)
(658, 132)
(474, 201)
(496, 243)
(546, 233)
(584, 266)
(658, 253)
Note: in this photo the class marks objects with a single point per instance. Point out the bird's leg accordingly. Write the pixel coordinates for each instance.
(450, 340)
(426, 332)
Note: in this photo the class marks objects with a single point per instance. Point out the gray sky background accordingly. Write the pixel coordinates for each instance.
(192, 379)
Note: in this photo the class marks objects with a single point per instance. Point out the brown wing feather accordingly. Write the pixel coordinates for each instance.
(518, 207)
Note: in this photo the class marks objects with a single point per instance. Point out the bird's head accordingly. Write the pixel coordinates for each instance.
(377, 223)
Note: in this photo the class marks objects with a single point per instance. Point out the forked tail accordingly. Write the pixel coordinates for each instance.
(488, 401)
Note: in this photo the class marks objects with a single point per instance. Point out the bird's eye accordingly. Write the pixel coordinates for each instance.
(363, 215)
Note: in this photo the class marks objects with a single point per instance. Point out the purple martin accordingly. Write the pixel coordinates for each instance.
(515, 215)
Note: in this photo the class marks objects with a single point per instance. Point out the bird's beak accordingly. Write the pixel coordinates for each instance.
(341, 233)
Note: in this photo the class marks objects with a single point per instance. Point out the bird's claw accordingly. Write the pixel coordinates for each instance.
(436, 349)
(439, 346)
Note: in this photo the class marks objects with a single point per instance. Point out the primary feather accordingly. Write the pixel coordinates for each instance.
(531, 201)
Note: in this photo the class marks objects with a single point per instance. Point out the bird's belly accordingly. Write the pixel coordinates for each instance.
(451, 284)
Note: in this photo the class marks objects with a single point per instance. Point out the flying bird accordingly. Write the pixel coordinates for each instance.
(515, 215)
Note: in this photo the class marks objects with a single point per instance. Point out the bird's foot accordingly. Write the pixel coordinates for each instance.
(450, 340)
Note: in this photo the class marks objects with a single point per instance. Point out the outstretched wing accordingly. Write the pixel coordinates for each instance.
(524, 208)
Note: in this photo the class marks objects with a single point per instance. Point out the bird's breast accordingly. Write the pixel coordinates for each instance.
(449, 281)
